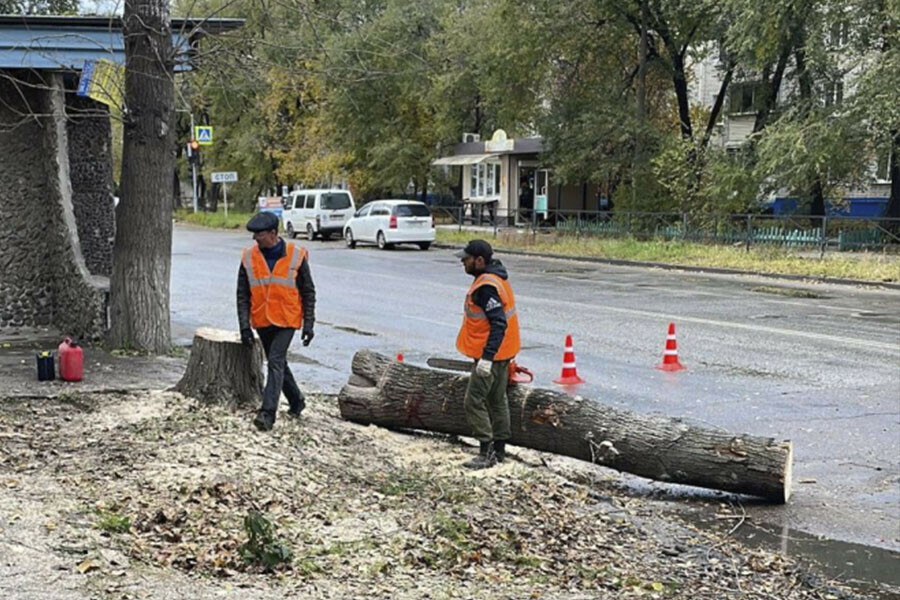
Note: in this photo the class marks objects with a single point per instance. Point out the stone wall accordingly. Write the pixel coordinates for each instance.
(43, 277)
(26, 291)
(90, 168)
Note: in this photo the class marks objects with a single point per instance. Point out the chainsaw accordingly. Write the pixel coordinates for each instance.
(517, 373)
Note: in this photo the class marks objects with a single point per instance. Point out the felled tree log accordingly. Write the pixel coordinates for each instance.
(385, 392)
(222, 370)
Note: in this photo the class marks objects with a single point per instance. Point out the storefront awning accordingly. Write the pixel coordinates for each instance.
(462, 159)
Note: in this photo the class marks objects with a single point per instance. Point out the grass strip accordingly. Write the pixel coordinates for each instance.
(235, 219)
(867, 266)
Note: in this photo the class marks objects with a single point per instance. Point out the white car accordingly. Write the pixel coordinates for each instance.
(317, 212)
(388, 222)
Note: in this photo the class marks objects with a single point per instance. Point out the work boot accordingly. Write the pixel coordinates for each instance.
(296, 409)
(500, 450)
(264, 421)
(486, 457)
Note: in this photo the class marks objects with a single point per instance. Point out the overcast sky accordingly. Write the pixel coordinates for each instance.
(101, 7)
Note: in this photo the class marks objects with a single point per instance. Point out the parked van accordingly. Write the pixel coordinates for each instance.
(317, 212)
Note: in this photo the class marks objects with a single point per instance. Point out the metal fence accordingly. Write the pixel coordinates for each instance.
(802, 232)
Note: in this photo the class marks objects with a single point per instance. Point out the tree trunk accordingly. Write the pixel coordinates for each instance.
(139, 286)
(222, 370)
(679, 80)
(212, 197)
(388, 393)
(772, 88)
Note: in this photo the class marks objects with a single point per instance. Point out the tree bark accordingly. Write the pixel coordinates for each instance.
(388, 393)
(139, 286)
(222, 370)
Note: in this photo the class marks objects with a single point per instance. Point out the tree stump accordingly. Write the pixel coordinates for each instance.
(385, 392)
(223, 370)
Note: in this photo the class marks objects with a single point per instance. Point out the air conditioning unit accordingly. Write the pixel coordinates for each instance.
(468, 138)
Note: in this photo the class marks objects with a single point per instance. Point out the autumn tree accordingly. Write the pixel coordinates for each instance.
(139, 286)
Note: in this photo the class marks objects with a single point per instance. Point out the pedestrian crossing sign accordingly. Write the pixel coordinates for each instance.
(203, 134)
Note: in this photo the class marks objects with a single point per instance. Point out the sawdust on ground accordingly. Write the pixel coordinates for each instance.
(144, 495)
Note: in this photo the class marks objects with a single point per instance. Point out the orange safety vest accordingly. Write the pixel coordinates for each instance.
(274, 299)
(475, 328)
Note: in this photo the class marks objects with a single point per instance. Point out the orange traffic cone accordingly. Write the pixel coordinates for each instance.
(569, 375)
(670, 354)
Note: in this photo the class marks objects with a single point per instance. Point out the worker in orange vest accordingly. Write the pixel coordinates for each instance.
(490, 336)
(275, 296)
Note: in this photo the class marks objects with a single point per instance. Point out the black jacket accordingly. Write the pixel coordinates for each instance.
(305, 286)
(487, 298)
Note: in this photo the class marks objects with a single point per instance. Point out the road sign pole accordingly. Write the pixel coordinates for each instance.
(225, 194)
(193, 169)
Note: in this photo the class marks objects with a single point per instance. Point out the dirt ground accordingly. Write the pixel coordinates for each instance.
(146, 494)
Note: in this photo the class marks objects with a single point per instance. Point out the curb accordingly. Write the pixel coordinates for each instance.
(692, 269)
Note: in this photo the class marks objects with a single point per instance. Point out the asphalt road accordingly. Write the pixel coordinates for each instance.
(823, 371)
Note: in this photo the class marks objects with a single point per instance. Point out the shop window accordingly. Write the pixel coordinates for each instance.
(485, 180)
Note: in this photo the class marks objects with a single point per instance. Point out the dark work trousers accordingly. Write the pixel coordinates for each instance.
(276, 341)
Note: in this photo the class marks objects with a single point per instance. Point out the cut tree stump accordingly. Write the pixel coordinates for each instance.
(385, 392)
(222, 370)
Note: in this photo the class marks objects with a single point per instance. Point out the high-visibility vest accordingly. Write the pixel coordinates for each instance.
(274, 299)
(475, 327)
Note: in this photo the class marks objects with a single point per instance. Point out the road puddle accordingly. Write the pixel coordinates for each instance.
(869, 570)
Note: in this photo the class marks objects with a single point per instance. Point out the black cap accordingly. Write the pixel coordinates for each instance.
(476, 248)
(262, 221)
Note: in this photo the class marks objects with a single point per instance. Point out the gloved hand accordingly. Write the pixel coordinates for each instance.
(483, 367)
(247, 337)
(307, 335)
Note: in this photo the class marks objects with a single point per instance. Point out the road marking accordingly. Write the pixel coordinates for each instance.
(839, 340)
(685, 293)
(432, 321)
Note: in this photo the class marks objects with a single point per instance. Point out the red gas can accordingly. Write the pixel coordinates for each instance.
(71, 361)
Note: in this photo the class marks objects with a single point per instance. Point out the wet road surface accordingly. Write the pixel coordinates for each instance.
(816, 364)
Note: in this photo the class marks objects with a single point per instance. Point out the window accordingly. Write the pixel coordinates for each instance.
(364, 211)
(485, 180)
(338, 201)
(746, 97)
(412, 210)
(834, 92)
(298, 201)
(883, 165)
(311, 201)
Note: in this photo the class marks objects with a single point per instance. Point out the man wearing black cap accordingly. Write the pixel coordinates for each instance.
(490, 336)
(276, 296)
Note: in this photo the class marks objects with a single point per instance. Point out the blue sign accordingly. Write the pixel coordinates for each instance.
(203, 134)
(87, 73)
(275, 211)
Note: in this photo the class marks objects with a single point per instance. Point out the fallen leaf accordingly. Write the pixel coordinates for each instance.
(87, 565)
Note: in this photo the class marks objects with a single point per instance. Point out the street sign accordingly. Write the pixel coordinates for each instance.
(225, 177)
(203, 134)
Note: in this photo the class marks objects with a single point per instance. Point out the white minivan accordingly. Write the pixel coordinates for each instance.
(317, 212)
